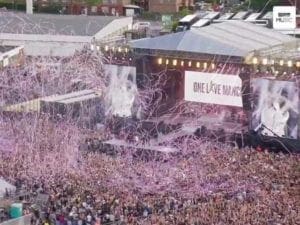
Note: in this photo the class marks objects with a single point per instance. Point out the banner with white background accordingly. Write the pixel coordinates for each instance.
(213, 88)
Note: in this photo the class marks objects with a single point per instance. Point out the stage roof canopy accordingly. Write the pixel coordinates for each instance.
(232, 38)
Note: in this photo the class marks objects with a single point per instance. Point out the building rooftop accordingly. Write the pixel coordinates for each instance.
(232, 38)
(6, 48)
(35, 104)
(188, 18)
(21, 23)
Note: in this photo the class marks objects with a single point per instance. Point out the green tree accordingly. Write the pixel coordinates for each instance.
(184, 11)
(262, 4)
(213, 1)
(93, 2)
(177, 16)
(174, 26)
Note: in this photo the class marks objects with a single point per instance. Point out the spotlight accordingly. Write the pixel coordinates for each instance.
(281, 62)
(213, 66)
(265, 61)
(198, 65)
(160, 61)
(113, 48)
(98, 48)
(130, 59)
(167, 62)
(205, 65)
(290, 63)
(182, 63)
(175, 62)
(126, 50)
(106, 48)
(92, 47)
(272, 62)
(119, 49)
(190, 63)
(254, 60)
(298, 64)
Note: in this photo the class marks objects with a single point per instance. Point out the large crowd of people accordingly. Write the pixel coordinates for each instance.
(208, 186)
(207, 183)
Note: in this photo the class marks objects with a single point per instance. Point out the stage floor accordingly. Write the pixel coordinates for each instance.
(164, 141)
(210, 122)
(146, 146)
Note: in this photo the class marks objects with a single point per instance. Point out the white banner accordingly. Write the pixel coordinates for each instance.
(213, 88)
(284, 17)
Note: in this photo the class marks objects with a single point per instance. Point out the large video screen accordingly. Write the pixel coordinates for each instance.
(213, 88)
(275, 108)
(122, 90)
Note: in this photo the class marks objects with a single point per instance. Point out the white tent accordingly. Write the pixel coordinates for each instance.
(5, 186)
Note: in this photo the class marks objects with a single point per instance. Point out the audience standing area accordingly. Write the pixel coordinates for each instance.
(234, 78)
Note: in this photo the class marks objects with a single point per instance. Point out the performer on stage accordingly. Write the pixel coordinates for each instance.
(275, 119)
(281, 117)
(275, 108)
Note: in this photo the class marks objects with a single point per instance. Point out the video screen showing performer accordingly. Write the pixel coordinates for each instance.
(122, 107)
(275, 108)
(121, 93)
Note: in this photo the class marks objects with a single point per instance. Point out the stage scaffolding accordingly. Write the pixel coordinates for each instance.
(289, 51)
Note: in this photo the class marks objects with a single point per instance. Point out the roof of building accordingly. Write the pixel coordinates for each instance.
(226, 16)
(58, 98)
(211, 15)
(21, 23)
(201, 23)
(46, 38)
(188, 18)
(35, 104)
(253, 17)
(8, 51)
(132, 6)
(232, 38)
(240, 15)
(6, 48)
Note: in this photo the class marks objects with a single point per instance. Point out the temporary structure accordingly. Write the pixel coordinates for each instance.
(5, 186)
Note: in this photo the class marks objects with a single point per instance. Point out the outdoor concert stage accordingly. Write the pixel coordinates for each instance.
(149, 146)
(152, 149)
(166, 133)
(211, 122)
(197, 77)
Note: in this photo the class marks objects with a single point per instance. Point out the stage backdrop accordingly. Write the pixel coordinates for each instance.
(275, 108)
(122, 91)
(213, 88)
